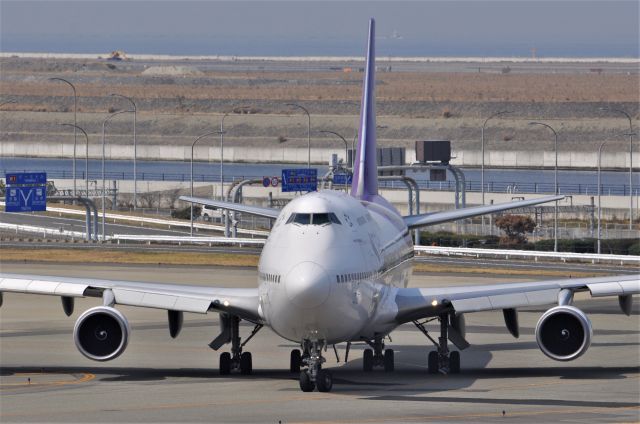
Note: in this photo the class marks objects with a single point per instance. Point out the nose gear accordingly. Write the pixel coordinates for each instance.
(314, 376)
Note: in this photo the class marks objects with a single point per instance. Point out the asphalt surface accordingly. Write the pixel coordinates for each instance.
(158, 379)
(72, 224)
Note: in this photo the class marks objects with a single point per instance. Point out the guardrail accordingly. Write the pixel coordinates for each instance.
(528, 254)
(187, 239)
(41, 230)
(161, 221)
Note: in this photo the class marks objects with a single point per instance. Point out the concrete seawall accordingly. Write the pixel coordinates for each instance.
(573, 159)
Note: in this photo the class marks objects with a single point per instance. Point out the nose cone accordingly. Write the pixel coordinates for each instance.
(307, 285)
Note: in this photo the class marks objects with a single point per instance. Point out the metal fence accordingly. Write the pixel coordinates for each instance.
(470, 186)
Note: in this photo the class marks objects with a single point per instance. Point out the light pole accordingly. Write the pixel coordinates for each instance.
(192, 147)
(504, 112)
(75, 122)
(308, 131)
(607, 109)
(343, 139)
(599, 194)
(104, 123)
(555, 183)
(86, 159)
(135, 149)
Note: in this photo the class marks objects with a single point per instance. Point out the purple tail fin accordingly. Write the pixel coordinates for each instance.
(365, 167)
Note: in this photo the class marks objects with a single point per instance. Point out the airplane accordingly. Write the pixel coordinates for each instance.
(335, 269)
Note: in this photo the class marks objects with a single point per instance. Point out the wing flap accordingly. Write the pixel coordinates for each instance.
(238, 207)
(29, 285)
(415, 221)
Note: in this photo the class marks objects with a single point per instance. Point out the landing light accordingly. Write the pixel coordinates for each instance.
(434, 302)
(225, 303)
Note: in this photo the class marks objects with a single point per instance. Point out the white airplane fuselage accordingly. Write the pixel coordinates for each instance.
(333, 280)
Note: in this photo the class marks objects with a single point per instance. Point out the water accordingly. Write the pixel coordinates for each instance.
(496, 180)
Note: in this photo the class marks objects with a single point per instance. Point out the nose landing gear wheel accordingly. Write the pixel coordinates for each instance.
(306, 385)
(225, 363)
(246, 365)
(432, 362)
(454, 362)
(389, 363)
(324, 381)
(367, 360)
(296, 360)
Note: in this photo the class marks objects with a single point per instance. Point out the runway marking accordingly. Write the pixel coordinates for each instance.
(86, 376)
(508, 414)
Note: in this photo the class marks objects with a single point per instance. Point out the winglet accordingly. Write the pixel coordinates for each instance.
(365, 173)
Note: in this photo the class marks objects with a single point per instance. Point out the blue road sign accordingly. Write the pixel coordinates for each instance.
(304, 179)
(343, 179)
(26, 178)
(26, 192)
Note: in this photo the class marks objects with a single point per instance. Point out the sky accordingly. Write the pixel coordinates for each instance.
(404, 28)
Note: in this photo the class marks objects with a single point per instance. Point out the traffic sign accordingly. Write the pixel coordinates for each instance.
(266, 181)
(343, 179)
(304, 179)
(26, 192)
(274, 181)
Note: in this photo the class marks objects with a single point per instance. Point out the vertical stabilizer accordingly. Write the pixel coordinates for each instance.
(365, 168)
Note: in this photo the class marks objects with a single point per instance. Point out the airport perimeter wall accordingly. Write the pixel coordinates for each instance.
(493, 158)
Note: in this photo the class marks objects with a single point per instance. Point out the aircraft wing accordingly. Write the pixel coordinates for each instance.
(238, 207)
(415, 221)
(174, 297)
(417, 303)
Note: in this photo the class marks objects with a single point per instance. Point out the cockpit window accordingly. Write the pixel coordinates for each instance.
(313, 219)
(320, 218)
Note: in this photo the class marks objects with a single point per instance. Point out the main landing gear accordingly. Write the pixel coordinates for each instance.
(313, 376)
(378, 356)
(442, 359)
(237, 360)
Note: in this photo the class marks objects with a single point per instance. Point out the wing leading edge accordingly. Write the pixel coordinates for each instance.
(238, 207)
(417, 303)
(173, 297)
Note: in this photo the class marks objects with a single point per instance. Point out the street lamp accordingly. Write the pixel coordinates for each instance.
(599, 194)
(308, 131)
(75, 122)
(504, 112)
(86, 160)
(607, 109)
(135, 149)
(346, 149)
(104, 123)
(192, 147)
(555, 183)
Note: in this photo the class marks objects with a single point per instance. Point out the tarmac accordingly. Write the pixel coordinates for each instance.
(43, 378)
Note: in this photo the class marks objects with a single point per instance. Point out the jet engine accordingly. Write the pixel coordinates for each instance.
(101, 333)
(564, 333)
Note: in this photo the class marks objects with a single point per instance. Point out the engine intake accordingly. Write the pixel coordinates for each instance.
(564, 333)
(101, 333)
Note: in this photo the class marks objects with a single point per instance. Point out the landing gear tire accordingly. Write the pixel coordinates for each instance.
(225, 363)
(454, 362)
(432, 362)
(367, 360)
(306, 385)
(389, 363)
(324, 381)
(296, 360)
(246, 365)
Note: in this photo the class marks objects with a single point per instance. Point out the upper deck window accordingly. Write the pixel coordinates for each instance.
(313, 218)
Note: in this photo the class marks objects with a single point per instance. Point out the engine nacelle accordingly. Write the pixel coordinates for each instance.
(101, 333)
(564, 333)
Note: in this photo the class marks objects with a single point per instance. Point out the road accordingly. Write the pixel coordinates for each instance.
(43, 377)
